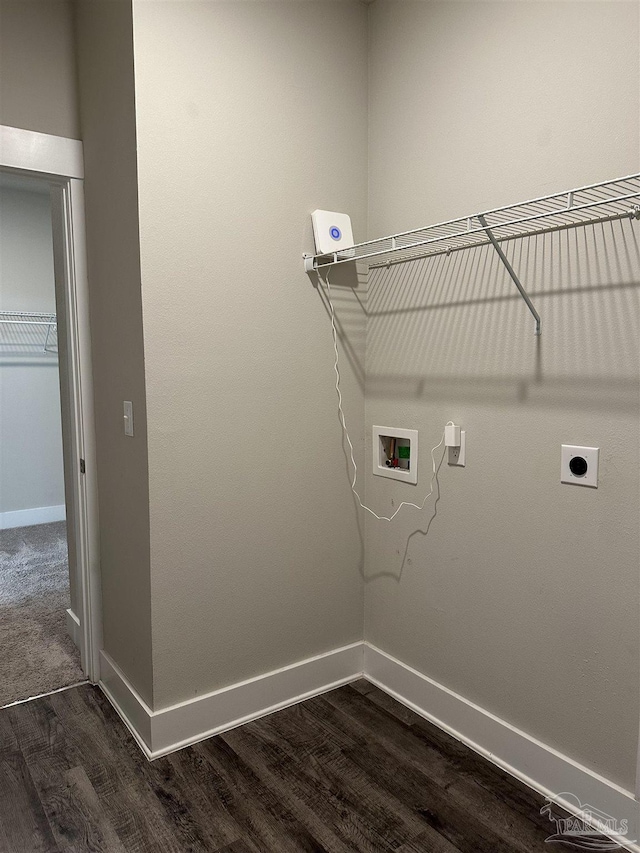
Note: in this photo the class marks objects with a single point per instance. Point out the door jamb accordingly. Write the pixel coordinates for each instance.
(60, 160)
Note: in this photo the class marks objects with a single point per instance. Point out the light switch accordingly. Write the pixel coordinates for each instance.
(128, 417)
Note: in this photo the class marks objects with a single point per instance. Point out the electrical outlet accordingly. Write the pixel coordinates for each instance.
(458, 455)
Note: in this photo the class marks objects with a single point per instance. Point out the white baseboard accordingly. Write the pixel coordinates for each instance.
(133, 710)
(168, 729)
(537, 765)
(29, 517)
(73, 627)
(534, 763)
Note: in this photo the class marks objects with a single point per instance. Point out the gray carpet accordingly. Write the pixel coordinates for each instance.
(36, 653)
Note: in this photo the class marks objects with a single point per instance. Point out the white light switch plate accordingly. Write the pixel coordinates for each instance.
(128, 417)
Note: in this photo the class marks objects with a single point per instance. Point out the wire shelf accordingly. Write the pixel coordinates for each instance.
(23, 331)
(596, 203)
(603, 202)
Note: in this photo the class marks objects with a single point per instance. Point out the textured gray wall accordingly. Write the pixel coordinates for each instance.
(521, 594)
(105, 54)
(38, 88)
(250, 116)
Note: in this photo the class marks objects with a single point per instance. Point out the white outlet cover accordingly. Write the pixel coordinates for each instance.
(590, 455)
(458, 455)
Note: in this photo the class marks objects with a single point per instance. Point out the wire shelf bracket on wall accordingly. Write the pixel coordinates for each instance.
(596, 203)
(28, 331)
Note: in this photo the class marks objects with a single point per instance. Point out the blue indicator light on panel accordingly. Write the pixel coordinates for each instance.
(335, 232)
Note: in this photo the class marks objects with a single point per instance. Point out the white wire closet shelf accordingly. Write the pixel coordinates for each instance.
(597, 203)
(28, 332)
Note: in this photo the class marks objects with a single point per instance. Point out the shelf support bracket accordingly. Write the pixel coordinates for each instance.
(511, 272)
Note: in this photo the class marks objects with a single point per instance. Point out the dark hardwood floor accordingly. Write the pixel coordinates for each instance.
(348, 771)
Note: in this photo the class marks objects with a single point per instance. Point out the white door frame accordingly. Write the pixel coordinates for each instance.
(60, 160)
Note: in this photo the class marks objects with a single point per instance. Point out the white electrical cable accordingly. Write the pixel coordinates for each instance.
(346, 431)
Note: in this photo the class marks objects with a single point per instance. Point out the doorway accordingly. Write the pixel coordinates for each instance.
(50, 627)
(37, 591)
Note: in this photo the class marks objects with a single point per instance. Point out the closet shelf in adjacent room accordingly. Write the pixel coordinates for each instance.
(28, 332)
(590, 205)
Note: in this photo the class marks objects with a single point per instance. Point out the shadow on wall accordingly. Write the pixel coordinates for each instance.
(422, 530)
(349, 296)
(453, 327)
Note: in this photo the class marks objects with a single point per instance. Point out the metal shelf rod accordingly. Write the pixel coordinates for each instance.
(466, 233)
(511, 272)
(551, 229)
(567, 193)
(27, 322)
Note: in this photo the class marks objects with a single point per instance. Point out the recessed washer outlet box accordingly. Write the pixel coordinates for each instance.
(395, 453)
(579, 465)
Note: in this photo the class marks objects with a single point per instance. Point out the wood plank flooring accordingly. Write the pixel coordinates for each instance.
(348, 771)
